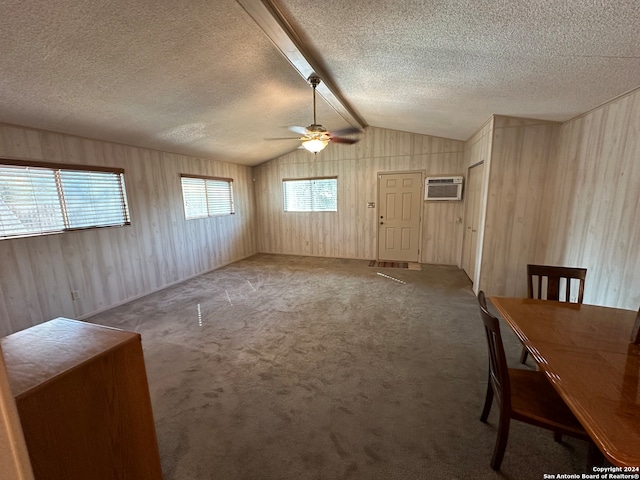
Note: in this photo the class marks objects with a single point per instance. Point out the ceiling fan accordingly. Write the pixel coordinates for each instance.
(315, 137)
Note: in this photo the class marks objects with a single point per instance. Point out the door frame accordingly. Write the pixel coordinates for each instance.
(482, 199)
(400, 172)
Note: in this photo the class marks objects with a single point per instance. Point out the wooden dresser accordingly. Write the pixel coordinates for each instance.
(82, 395)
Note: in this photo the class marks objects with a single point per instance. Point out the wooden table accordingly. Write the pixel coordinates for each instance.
(585, 351)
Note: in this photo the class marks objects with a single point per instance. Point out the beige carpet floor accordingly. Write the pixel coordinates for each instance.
(282, 367)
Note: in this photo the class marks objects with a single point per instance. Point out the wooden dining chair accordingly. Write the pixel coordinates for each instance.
(524, 395)
(555, 278)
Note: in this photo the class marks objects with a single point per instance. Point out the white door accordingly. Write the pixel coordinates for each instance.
(472, 220)
(400, 205)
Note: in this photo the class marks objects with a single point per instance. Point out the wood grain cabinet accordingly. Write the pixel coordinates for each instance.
(83, 399)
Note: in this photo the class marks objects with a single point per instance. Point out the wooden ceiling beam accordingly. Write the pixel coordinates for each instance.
(283, 36)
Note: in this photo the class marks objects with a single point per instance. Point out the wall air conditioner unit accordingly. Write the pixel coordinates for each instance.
(443, 188)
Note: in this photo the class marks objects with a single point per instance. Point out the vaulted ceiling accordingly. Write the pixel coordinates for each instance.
(219, 79)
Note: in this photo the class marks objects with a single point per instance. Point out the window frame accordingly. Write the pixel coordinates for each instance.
(232, 203)
(56, 168)
(309, 179)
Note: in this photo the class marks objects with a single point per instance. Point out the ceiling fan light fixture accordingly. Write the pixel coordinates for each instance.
(315, 137)
(314, 145)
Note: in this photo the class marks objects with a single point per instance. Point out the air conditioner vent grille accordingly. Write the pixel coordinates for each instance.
(443, 191)
(443, 188)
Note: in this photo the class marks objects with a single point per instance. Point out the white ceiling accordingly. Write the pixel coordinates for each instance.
(202, 78)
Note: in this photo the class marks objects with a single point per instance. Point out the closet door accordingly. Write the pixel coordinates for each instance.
(472, 219)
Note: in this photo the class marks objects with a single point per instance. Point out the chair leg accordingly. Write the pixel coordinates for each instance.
(488, 401)
(523, 355)
(594, 457)
(501, 441)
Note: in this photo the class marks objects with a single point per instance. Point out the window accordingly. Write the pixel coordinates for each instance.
(40, 198)
(311, 195)
(207, 196)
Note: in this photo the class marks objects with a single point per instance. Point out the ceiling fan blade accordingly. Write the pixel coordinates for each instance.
(349, 141)
(345, 131)
(282, 138)
(300, 130)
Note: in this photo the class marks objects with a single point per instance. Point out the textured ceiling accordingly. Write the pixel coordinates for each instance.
(195, 77)
(442, 67)
(202, 78)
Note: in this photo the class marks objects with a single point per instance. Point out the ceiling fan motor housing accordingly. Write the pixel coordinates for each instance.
(316, 128)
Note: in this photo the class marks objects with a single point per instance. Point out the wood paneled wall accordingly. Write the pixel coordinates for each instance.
(351, 232)
(478, 147)
(517, 180)
(566, 195)
(593, 202)
(112, 265)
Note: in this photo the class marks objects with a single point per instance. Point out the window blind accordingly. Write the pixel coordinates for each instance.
(311, 195)
(220, 197)
(93, 198)
(36, 200)
(194, 196)
(207, 197)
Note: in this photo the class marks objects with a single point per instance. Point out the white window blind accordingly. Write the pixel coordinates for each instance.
(93, 198)
(207, 197)
(194, 196)
(37, 200)
(311, 195)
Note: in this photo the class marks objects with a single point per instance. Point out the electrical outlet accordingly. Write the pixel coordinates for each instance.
(75, 294)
